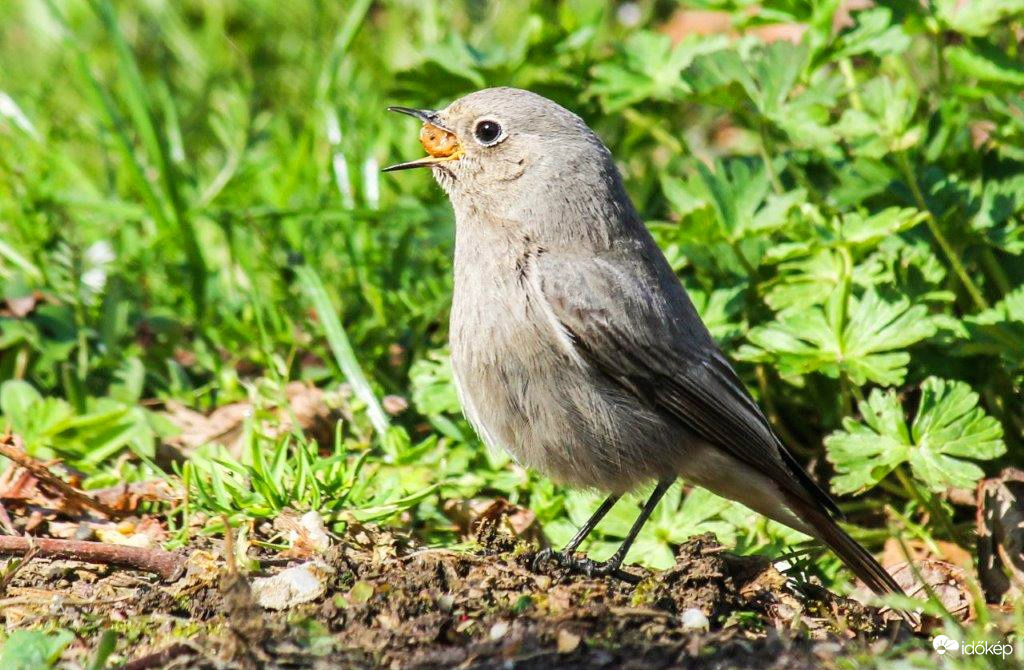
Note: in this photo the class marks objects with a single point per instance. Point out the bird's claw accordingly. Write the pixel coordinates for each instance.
(545, 555)
(584, 565)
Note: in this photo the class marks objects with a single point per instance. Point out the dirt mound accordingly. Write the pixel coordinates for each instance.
(392, 607)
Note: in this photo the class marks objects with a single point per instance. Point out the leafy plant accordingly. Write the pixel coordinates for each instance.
(947, 428)
(33, 649)
(189, 209)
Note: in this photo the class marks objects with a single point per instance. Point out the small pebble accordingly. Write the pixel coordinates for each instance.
(567, 641)
(694, 620)
(826, 650)
(498, 631)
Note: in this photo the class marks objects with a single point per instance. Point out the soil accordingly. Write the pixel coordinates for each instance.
(388, 605)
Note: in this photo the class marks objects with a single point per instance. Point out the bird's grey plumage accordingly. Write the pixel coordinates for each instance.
(574, 345)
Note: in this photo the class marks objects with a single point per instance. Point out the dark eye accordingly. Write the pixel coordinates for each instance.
(487, 131)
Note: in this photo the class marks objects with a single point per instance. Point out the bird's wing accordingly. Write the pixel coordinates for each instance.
(632, 320)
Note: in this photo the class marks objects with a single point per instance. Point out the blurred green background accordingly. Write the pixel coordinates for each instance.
(192, 215)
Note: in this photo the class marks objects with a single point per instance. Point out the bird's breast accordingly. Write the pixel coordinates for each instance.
(506, 359)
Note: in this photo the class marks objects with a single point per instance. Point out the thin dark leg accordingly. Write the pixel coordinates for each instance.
(565, 555)
(590, 525)
(613, 563)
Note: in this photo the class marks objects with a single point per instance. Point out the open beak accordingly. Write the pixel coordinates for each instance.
(439, 140)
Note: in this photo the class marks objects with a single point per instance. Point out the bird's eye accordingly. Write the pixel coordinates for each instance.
(488, 131)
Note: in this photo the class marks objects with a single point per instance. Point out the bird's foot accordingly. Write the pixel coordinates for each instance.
(584, 565)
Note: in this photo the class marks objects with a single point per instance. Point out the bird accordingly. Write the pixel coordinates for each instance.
(574, 345)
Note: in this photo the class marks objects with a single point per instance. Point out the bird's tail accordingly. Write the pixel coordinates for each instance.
(857, 558)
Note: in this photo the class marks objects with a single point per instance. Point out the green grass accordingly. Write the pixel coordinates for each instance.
(193, 188)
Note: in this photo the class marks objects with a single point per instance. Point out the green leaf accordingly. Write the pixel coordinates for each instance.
(649, 68)
(868, 348)
(433, 386)
(999, 331)
(341, 347)
(739, 194)
(864, 230)
(131, 379)
(17, 398)
(34, 649)
(985, 63)
(720, 310)
(948, 426)
(884, 124)
(874, 33)
(807, 280)
(998, 213)
(766, 77)
(864, 452)
(976, 17)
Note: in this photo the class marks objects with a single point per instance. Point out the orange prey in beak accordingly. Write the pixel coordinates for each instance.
(439, 142)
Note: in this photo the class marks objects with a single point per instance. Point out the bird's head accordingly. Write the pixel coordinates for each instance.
(502, 149)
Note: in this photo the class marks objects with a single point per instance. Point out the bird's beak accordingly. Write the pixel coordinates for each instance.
(439, 140)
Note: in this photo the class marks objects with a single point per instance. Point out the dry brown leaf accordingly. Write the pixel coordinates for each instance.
(222, 426)
(394, 404)
(947, 581)
(126, 497)
(306, 534)
(307, 408)
(950, 552)
(21, 306)
(29, 482)
(18, 484)
(686, 22)
(471, 515)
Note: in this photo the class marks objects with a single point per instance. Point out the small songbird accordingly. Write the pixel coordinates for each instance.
(575, 347)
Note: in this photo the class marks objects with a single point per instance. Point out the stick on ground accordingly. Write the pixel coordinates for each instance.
(10, 446)
(165, 564)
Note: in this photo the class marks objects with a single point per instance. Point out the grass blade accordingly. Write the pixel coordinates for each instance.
(341, 347)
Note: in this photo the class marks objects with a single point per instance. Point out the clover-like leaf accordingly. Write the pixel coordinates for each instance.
(34, 649)
(986, 63)
(810, 279)
(738, 191)
(998, 213)
(976, 17)
(768, 78)
(649, 68)
(885, 122)
(721, 311)
(999, 331)
(948, 427)
(868, 347)
(874, 33)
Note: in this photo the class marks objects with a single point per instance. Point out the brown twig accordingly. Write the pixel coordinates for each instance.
(11, 447)
(167, 565)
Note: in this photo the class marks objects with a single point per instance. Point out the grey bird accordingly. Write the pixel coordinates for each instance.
(575, 347)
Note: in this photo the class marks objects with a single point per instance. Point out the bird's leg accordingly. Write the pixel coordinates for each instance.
(612, 565)
(591, 568)
(565, 556)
